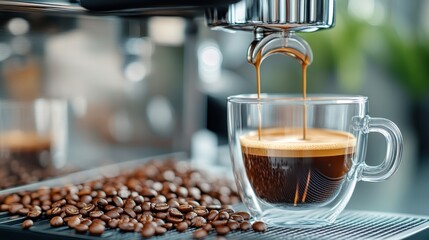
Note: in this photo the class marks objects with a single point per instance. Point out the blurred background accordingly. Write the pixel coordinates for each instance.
(137, 87)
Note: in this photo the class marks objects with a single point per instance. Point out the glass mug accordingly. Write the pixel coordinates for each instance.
(296, 162)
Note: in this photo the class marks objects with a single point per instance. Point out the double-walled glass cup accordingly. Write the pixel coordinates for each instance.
(296, 161)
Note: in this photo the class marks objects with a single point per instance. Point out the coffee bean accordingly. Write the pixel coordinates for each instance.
(259, 226)
(56, 221)
(190, 215)
(86, 198)
(26, 200)
(59, 203)
(105, 218)
(244, 226)
(27, 224)
(208, 227)
(15, 207)
(160, 230)
(201, 211)
(96, 229)
(88, 208)
(81, 228)
(146, 206)
(214, 207)
(73, 221)
(219, 223)
(118, 201)
(14, 198)
(96, 213)
(130, 212)
(228, 209)
(181, 226)
(126, 226)
(148, 231)
(129, 203)
(198, 222)
(199, 233)
(173, 203)
(161, 215)
(98, 221)
(71, 210)
(138, 226)
(4, 207)
(113, 214)
(236, 217)
(109, 207)
(139, 199)
(113, 223)
(137, 209)
(212, 215)
(222, 216)
(23, 211)
(233, 225)
(87, 222)
(147, 192)
(175, 213)
(222, 230)
(174, 219)
(34, 213)
(185, 208)
(161, 207)
(168, 225)
(245, 215)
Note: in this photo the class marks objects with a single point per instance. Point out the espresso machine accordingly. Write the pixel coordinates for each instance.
(131, 29)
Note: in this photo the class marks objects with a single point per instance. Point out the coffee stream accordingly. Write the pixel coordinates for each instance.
(305, 60)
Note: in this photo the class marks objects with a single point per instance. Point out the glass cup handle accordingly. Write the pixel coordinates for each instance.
(394, 143)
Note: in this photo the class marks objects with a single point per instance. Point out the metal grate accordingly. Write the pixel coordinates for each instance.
(350, 225)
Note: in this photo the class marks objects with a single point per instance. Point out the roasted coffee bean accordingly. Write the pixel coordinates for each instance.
(15, 207)
(161, 207)
(227, 209)
(236, 217)
(96, 229)
(222, 230)
(244, 226)
(14, 198)
(137, 209)
(190, 215)
(146, 218)
(181, 226)
(199, 233)
(130, 212)
(245, 215)
(161, 215)
(219, 223)
(59, 203)
(208, 227)
(175, 213)
(212, 215)
(88, 208)
(27, 224)
(146, 206)
(86, 198)
(159, 199)
(4, 207)
(81, 228)
(233, 225)
(198, 222)
(101, 202)
(168, 225)
(119, 210)
(201, 211)
(113, 213)
(138, 227)
(222, 216)
(148, 231)
(118, 201)
(126, 226)
(34, 213)
(194, 204)
(105, 218)
(147, 192)
(160, 230)
(173, 203)
(96, 213)
(26, 199)
(109, 207)
(87, 222)
(56, 221)
(129, 203)
(214, 207)
(23, 211)
(113, 223)
(185, 208)
(73, 221)
(139, 199)
(259, 226)
(71, 210)
(98, 221)
(174, 219)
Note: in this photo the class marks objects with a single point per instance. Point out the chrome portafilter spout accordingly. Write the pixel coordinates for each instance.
(274, 23)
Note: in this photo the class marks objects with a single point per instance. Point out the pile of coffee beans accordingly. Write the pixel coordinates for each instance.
(16, 173)
(157, 197)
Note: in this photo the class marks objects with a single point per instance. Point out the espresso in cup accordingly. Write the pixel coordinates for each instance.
(283, 168)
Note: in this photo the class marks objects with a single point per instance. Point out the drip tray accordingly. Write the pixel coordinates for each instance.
(350, 225)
